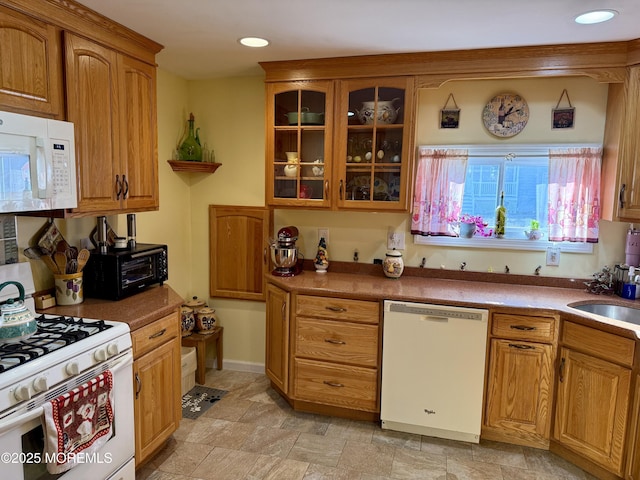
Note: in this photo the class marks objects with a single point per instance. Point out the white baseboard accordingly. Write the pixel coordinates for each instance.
(238, 366)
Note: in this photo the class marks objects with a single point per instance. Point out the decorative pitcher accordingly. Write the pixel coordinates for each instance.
(190, 148)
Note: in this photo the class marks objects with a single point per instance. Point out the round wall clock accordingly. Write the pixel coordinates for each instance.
(505, 115)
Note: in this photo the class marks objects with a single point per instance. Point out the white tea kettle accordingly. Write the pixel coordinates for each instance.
(17, 322)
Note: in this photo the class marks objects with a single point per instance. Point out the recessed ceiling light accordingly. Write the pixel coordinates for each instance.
(254, 42)
(596, 16)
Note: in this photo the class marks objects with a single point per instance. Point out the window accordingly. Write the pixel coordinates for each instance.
(524, 182)
(482, 174)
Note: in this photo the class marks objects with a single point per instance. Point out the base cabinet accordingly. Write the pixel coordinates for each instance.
(277, 348)
(594, 384)
(323, 353)
(157, 384)
(520, 379)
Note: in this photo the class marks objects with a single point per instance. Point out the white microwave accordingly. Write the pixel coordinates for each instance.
(37, 164)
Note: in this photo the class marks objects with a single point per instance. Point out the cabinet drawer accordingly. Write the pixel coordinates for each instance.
(337, 341)
(155, 334)
(602, 344)
(338, 308)
(339, 385)
(523, 327)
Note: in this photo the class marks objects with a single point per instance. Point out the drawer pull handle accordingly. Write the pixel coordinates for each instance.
(336, 309)
(522, 327)
(521, 347)
(335, 342)
(333, 384)
(138, 385)
(158, 334)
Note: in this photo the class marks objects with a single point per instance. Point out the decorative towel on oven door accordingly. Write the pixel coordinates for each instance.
(78, 423)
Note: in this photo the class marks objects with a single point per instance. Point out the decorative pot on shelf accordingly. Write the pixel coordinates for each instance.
(387, 114)
(393, 264)
(188, 320)
(206, 320)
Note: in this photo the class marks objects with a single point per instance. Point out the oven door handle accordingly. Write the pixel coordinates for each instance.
(20, 420)
(11, 423)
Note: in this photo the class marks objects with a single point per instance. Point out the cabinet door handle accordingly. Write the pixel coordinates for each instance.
(158, 334)
(119, 187)
(621, 197)
(282, 311)
(561, 371)
(126, 186)
(335, 342)
(326, 189)
(336, 309)
(264, 255)
(333, 384)
(521, 347)
(522, 327)
(341, 189)
(138, 385)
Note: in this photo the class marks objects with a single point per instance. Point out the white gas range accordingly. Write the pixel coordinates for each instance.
(63, 356)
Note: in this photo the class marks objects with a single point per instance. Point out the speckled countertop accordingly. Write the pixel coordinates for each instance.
(138, 310)
(464, 293)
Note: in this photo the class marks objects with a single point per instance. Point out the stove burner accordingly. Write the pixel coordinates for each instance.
(53, 332)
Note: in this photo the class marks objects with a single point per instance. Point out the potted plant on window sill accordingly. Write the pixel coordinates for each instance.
(470, 225)
(534, 233)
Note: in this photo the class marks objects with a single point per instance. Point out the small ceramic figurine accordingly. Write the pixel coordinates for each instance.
(322, 259)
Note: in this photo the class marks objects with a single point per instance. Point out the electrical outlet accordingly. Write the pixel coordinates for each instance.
(553, 256)
(395, 240)
(323, 233)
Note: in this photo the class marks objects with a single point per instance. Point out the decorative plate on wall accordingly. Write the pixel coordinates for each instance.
(505, 115)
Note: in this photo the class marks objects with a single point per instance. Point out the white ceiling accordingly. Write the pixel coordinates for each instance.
(200, 36)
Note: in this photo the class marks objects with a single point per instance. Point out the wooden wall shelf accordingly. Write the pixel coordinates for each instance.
(197, 167)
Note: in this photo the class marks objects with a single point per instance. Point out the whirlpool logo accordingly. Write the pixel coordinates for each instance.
(429, 412)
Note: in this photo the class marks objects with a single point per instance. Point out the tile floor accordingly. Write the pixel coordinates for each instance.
(252, 433)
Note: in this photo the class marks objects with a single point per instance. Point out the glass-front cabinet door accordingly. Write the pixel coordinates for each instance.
(299, 139)
(375, 147)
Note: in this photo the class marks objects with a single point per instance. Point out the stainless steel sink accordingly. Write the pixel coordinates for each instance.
(617, 312)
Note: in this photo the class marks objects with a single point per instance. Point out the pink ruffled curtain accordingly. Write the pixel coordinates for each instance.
(574, 194)
(439, 186)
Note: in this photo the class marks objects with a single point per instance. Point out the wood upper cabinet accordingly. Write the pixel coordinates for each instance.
(277, 335)
(594, 384)
(238, 251)
(374, 144)
(30, 65)
(111, 100)
(299, 154)
(520, 379)
(157, 383)
(620, 173)
(340, 144)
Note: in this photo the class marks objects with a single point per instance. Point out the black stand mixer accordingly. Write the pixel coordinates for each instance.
(284, 253)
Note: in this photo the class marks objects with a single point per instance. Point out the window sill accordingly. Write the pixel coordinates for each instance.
(503, 244)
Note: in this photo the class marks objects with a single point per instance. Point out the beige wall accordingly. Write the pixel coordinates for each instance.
(230, 114)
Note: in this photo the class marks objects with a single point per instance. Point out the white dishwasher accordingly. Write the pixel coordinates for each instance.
(433, 361)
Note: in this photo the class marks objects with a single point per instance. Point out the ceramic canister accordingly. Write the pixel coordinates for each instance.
(205, 320)
(188, 320)
(393, 265)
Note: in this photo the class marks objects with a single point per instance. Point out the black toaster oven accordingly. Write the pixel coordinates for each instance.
(120, 273)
